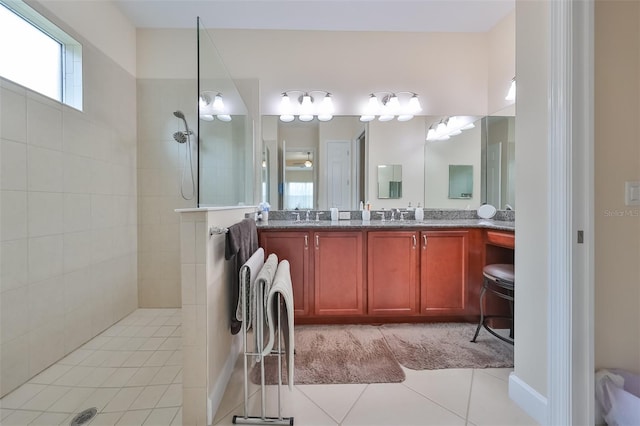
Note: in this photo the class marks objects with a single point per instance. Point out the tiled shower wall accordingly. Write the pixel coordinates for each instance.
(68, 217)
(160, 166)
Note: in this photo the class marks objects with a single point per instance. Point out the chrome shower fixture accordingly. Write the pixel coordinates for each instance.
(182, 137)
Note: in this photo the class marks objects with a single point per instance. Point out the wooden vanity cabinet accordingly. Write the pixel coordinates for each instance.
(338, 273)
(327, 270)
(444, 258)
(295, 247)
(393, 273)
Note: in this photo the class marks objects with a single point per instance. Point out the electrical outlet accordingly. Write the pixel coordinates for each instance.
(632, 193)
(344, 215)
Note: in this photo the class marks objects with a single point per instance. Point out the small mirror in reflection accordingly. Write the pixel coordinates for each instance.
(460, 181)
(389, 181)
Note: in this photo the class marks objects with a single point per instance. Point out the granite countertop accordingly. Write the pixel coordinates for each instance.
(388, 224)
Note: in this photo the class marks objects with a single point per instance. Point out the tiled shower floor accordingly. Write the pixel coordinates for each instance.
(132, 374)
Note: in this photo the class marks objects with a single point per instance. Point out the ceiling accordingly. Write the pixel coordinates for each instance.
(331, 15)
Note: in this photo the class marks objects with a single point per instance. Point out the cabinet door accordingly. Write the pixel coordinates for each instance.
(443, 272)
(294, 247)
(392, 266)
(338, 266)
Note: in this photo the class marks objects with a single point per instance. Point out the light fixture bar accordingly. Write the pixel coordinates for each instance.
(389, 105)
(306, 106)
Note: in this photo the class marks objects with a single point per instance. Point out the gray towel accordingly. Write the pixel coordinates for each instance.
(248, 273)
(240, 244)
(259, 294)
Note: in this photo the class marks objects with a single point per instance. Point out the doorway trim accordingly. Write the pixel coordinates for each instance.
(570, 334)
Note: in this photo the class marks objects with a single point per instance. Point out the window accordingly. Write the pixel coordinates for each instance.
(38, 55)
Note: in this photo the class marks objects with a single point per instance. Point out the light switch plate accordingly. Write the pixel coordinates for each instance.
(632, 193)
(344, 215)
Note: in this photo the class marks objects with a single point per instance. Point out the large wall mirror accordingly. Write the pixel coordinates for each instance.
(345, 155)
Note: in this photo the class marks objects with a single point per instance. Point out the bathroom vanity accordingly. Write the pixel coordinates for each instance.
(372, 272)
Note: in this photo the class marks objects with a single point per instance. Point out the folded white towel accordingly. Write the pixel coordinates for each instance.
(248, 273)
(281, 286)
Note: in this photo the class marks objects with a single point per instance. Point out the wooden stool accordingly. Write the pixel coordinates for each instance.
(499, 280)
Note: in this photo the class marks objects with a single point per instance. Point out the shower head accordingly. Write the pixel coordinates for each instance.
(180, 114)
(180, 137)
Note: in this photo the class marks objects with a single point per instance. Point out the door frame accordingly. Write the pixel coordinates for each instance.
(570, 333)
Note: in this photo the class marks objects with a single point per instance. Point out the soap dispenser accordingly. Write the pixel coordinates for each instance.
(419, 213)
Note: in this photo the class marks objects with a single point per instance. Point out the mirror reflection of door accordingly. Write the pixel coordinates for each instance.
(264, 167)
(299, 179)
(494, 173)
(339, 174)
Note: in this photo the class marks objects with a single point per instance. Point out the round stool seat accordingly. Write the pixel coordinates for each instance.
(500, 271)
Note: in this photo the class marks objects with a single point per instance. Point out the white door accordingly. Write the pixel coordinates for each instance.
(494, 178)
(339, 174)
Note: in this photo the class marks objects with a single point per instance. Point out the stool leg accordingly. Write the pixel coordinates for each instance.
(511, 327)
(482, 293)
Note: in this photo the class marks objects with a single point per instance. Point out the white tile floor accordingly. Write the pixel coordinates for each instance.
(438, 397)
(132, 374)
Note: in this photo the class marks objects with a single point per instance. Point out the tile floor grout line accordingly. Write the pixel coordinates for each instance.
(354, 404)
(435, 402)
(466, 417)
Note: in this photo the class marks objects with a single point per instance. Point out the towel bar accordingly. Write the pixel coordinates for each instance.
(215, 230)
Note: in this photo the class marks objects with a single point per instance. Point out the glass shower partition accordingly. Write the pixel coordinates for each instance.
(225, 132)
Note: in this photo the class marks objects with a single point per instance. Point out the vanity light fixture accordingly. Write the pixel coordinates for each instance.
(449, 126)
(511, 94)
(305, 106)
(308, 163)
(388, 105)
(211, 105)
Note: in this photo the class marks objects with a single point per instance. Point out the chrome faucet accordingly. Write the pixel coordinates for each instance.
(318, 216)
(382, 219)
(307, 218)
(297, 217)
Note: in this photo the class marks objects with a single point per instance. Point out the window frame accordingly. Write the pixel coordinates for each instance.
(71, 92)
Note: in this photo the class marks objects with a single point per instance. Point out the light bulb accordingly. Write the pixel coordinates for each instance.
(224, 117)
(206, 117)
(305, 117)
(414, 104)
(393, 104)
(324, 117)
(366, 118)
(308, 164)
(405, 117)
(326, 106)
(218, 104)
(386, 117)
(287, 118)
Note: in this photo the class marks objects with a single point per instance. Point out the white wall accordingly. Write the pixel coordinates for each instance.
(463, 149)
(68, 208)
(502, 62)
(617, 159)
(530, 354)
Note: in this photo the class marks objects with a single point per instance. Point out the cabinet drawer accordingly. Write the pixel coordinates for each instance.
(502, 239)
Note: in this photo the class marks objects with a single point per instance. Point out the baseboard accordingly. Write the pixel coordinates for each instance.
(217, 390)
(528, 399)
